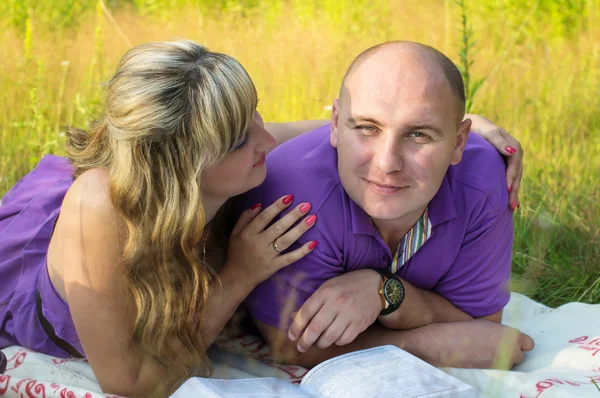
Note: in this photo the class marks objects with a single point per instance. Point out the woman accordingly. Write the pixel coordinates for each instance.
(107, 250)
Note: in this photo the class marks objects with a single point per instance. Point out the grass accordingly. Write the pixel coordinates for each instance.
(539, 61)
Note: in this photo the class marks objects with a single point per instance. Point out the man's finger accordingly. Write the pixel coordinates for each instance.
(333, 332)
(348, 336)
(304, 316)
(527, 343)
(320, 322)
(517, 359)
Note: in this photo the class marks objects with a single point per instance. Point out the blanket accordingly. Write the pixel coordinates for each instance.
(564, 363)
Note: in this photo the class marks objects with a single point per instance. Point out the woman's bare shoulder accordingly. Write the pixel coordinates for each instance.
(88, 218)
(89, 198)
(88, 239)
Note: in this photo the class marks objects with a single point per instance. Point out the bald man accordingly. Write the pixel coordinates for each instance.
(414, 227)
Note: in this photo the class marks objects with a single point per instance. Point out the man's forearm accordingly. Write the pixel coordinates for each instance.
(471, 344)
(427, 343)
(420, 308)
(284, 351)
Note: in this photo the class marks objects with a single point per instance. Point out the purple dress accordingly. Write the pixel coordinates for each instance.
(27, 216)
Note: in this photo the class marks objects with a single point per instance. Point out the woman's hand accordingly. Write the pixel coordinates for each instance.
(255, 251)
(509, 147)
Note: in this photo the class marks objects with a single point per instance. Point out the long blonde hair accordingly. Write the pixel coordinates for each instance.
(172, 109)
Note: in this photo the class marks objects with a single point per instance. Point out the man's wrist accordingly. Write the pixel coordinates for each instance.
(391, 290)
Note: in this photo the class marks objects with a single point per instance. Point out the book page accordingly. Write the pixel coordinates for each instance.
(239, 388)
(385, 371)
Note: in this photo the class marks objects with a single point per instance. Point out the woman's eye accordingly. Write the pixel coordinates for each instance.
(240, 144)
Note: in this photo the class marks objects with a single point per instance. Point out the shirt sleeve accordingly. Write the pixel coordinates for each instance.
(478, 280)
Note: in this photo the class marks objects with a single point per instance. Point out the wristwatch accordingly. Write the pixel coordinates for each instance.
(391, 291)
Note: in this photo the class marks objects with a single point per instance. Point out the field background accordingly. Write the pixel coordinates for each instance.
(540, 61)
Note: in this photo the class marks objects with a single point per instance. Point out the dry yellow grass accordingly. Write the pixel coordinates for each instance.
(542, 84)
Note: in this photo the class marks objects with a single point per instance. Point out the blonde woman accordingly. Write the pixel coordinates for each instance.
(104, 255)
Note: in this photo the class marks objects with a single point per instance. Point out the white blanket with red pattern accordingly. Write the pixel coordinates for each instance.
(564, 363)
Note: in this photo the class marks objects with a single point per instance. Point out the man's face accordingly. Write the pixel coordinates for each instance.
(396, 130)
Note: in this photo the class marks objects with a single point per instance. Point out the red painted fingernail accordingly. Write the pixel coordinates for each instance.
(310, 220)
(313, 244)
(510, 189)
(288, 199)
(305, 207)
(256, 206)
(510, 149)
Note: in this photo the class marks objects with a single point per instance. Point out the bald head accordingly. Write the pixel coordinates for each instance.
(419, 60)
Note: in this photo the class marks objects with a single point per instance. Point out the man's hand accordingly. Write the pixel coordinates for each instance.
(477, 344)
(344, 306)
(509, 147)
(341, 309)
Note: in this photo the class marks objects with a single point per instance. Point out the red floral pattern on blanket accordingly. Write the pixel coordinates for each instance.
(27, 371)
(16, 360)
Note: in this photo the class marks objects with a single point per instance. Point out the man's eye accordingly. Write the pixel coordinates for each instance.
(367, 128)
(419, 136)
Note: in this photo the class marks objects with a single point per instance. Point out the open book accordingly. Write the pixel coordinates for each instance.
(385, 371)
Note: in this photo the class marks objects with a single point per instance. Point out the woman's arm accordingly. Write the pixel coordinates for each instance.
(509, 147)
(90, 236)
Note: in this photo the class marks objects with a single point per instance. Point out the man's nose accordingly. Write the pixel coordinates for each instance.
(388, 156)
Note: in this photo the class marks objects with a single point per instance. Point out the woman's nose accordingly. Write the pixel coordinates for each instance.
(267, 141)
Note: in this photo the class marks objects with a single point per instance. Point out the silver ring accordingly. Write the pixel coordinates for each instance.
(275, 247)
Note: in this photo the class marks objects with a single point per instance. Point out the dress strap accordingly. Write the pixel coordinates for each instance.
(49, 330)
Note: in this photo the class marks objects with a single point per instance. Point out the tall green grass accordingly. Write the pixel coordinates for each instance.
(540, 61)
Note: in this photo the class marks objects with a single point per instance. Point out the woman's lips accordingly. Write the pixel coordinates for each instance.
(261, 161)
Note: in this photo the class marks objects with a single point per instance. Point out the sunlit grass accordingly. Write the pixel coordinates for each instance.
(540, 61)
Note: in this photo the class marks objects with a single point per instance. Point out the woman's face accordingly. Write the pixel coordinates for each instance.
(244, 168)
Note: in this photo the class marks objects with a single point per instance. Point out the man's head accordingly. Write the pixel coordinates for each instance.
(397, 127)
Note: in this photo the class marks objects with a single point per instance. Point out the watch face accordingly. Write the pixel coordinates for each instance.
(394, 292)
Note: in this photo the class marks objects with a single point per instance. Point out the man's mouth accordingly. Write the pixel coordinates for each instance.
(261, 161)
(384, 189)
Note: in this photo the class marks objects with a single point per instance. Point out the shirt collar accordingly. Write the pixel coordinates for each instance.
(414, 239)
(361, 223)
(442, 207)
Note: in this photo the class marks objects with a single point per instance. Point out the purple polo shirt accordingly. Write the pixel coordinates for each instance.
(467, 259)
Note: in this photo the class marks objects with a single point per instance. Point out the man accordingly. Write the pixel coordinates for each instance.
(413, 229)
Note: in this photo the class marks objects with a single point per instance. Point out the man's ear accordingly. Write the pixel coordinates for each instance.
(461, 140)
(335, 113)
